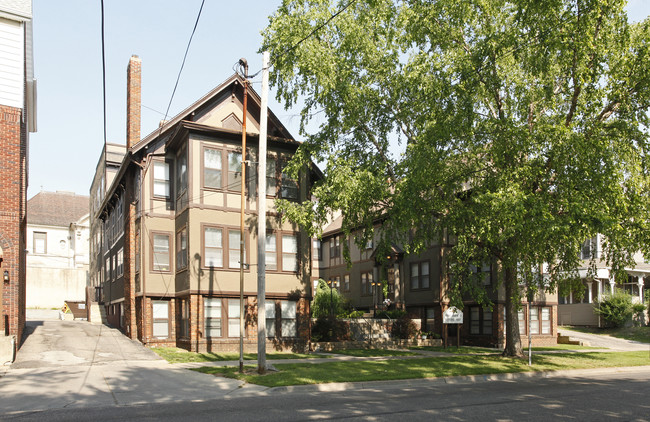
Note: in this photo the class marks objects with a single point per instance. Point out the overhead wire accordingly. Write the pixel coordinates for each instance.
(180, 71)
(103, 77)
(305, 38)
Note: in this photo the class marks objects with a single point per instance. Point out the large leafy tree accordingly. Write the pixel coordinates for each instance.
(523, 125)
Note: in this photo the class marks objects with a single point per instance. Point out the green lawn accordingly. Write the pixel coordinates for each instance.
(373, 352)
(563, 347)
(641, 334)
(176, 355)
(463, 350)
(356, 371)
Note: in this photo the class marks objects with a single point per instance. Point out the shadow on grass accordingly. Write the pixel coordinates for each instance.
(177, 355)
(395, 369)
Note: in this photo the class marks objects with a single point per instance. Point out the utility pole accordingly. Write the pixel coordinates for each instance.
(244, 63)
(261, 220)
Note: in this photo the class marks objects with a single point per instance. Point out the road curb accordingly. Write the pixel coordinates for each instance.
(423, 382)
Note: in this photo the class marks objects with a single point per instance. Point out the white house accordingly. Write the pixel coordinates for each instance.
(57, 249)
(598, 281)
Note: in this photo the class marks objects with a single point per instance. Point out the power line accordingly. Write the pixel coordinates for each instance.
(104, 78)
(183, 63)
(318, 28)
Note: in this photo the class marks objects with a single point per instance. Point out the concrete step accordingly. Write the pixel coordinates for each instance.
(562, 339)
(97, 314)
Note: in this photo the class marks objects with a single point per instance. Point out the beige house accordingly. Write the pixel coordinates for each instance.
(577, 308)
(168, 263)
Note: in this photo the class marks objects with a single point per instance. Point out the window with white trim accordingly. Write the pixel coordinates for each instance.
(213, 247)
(40, 242)
(212, 316)
(233, 318)
(269, 307)
(161, 179)
(288, 314)
(212, 168)
(289, 252)
(160, 311)
(161, 252)
(271, 258)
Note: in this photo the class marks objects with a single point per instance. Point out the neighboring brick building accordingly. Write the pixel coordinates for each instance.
(17, 119)
(167, 262)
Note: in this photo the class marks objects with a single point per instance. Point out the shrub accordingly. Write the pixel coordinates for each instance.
(638, 309)
(616, 309)
(326, 301)
(392, 314)
(354, 314)
(403, 328)
(330, 329)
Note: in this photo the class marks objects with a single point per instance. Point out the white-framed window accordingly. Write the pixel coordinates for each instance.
(234, 249)
(269, 307)
(233, 318)
(289, 252)
(271, 257)
(545, 322)
(534, 320)
(161, 179)
(120, 262)
(271, 177)
(40, 243)
(160, 310)
(161, 252)
(346, 282)
(288, 310)
(181, 249)
(234, 171)
(213, 246)
(212, 168)
(288, 187)
(212, 316)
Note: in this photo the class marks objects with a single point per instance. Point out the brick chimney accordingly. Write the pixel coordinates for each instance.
(133, 100)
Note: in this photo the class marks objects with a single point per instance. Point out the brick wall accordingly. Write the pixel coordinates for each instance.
(196, 341)
(13, 189)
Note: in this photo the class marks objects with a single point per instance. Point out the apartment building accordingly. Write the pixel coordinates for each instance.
(167, 248)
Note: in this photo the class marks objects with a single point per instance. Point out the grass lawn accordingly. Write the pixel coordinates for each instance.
(641, 334)
(356, 371)
(176, 355)
(373, 352)
(562, 347)
(463, 350)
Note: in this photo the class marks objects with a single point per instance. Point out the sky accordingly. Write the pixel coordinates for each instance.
(66, 148)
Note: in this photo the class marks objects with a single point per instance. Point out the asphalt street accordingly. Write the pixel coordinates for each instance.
(74, 370)
(597, 396)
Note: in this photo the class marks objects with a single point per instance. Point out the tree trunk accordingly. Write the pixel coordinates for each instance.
(513, 299)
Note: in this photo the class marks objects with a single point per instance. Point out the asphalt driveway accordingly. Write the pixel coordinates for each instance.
(66, 364)
(609, 342)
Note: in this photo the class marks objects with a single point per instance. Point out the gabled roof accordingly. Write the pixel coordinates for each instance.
(233, 81)
(57, 208)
